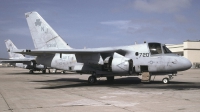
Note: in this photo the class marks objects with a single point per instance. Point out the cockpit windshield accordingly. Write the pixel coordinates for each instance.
(166, 50)
(155, 48)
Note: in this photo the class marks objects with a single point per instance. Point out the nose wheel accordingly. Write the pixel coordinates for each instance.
(165, 80)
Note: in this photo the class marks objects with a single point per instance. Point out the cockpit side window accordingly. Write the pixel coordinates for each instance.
(155, 48)
(166, 50)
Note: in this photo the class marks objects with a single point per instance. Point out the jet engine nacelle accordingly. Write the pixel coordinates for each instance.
(118, 65)
(122, 65)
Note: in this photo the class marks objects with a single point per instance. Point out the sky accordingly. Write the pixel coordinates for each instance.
(102, 23)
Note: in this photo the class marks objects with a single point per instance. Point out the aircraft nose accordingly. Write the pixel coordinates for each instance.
(186, 64)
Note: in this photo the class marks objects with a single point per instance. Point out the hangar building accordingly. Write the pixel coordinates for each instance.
(189, 49)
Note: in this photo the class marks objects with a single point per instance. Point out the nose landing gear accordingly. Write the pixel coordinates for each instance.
(167, 80)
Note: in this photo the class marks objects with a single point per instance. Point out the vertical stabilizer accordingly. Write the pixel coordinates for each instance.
(10, 47)
(44, 37)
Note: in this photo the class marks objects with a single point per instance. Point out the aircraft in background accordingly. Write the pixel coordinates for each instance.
(21, 61)
(142, 59)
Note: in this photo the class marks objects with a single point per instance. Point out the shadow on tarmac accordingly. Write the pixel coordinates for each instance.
(128, 82)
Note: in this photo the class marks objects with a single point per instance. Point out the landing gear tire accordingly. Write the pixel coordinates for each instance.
(92, 80)
(31, 72)
(110, 79)
(165, 80)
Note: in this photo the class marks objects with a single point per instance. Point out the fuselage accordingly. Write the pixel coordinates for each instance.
(147, 57)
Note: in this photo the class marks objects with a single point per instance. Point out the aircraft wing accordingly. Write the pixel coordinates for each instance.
(71, 51)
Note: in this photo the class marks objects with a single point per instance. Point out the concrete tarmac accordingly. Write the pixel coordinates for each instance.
(23, 92)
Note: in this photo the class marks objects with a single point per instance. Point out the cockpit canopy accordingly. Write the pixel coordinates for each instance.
(157, 48)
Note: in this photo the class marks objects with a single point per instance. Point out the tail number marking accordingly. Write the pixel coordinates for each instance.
(51, 45)
(144, 55)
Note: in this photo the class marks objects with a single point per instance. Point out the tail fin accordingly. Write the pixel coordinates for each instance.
(44, 37)
(10, 47)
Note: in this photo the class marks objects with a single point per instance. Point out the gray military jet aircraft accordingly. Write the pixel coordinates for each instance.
(145, 59)
(20, 61)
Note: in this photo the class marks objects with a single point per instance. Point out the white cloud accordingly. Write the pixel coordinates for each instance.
(122, 24)
(133, 26)
(161, 6)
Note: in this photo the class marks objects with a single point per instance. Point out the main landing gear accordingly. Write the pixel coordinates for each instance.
(92, 79)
